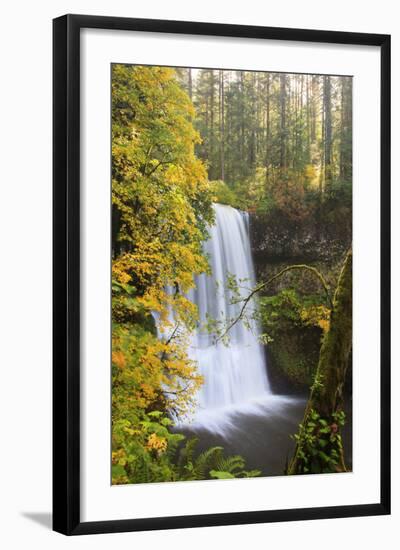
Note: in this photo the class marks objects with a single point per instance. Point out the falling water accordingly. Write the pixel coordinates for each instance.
(235, 375)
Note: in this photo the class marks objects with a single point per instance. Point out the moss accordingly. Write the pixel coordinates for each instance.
(293, 358)
(292, 326)
(336, 346)
(326, 397)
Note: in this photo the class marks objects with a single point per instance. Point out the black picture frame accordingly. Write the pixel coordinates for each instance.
(66, 273)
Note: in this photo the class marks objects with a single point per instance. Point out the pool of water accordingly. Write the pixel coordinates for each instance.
(259, 432)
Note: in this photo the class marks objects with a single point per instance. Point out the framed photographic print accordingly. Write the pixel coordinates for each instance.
(221, 274)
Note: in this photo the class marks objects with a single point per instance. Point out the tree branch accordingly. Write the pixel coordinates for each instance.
(262, 286)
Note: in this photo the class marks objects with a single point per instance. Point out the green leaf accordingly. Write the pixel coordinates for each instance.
(252, 473)
(155, 414)
(118, 471)
(166, 421)
(221, 475)
(324, 456)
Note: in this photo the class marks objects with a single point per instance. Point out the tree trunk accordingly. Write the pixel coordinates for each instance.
(268, 136)
(308, 119)
(211, 158)
(345, 169)
(222, 123)
(253, 122)
(314, 97)
(190, 84)
(282, 104)
(325, 403)
(242, 131)
(328, 130)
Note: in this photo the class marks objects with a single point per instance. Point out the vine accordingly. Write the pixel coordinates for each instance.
(319, 447)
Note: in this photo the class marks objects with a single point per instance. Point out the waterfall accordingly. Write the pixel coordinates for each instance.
(234, 374)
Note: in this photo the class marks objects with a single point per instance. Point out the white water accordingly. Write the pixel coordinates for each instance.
(235, 375)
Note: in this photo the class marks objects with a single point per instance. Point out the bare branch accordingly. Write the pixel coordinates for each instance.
(262, 286)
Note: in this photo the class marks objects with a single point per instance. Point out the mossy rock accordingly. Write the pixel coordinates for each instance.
(293, 359)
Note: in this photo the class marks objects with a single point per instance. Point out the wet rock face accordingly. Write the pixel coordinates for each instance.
(292, 360)
(278, 241)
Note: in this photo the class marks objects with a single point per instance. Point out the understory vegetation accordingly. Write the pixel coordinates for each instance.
(294, 326)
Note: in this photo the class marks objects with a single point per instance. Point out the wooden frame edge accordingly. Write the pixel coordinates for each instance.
(66, 274)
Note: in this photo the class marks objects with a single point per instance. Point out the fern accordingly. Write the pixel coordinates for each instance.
(206, 462)
(230, 464)
(210, 464)
(185, 460)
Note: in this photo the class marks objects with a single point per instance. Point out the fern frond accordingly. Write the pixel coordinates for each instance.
(230, 464)
(206, 461)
